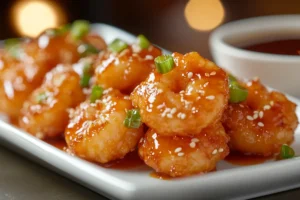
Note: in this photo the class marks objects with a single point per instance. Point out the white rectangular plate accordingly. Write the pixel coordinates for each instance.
(228, 182)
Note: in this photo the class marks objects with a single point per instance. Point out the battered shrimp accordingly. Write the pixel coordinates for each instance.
(96, 131)
(44, 114)
(185, 100)
(125, 70)
(183, 155)
(262, 123)
(24, 71)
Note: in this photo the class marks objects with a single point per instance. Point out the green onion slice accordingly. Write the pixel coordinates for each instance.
(117, 46)
(13, 47)
(85, 80)
(133, 119)
(286, 152)
(87, 49)
(143, 42)
(236, 91)
(41, 97)
(79, 28)
(96, 93)
(164, 63)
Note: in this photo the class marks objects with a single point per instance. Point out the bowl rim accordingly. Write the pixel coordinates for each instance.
(217, 41)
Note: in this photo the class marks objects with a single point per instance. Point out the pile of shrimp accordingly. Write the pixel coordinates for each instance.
(183, 124)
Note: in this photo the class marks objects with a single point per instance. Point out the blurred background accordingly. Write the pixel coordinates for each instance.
(177, 25)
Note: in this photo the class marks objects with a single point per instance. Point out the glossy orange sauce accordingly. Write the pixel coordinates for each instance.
(58, 143)
(283, 47)
(160, 176)
(244, 160)
(130, 161)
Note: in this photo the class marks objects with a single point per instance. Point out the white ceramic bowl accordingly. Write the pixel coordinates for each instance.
(281, 72)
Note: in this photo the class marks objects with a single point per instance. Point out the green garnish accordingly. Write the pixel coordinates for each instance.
(164, 63)
(143, 42)
(117, 46)
(85, 80)
(86, 75)
(41, 97)
(58, 31)
(79, 28)
(87, 49)
(65, 28)
(133, 119)
(286, 152)
(13, 47)
(96, 93)
(237, 93)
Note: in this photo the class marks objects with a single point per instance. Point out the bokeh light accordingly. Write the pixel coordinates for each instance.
(32, 17)
(204, 15)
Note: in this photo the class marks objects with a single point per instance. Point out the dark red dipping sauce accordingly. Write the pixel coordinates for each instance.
(283, 47)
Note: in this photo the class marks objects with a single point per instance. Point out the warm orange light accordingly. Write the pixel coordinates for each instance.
(32, 17)
(204, 15)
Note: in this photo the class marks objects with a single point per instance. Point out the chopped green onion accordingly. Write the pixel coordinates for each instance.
(65, 28)
(41, 97)
(287, 152)
(79, 28)
(85, 80)
(232, 78)
(87, 68)
(143, 42)
(117, 46)
(133, 119)
(13, 47)
(164, 63)
(237, 93)
(87, 49)
(96, 93)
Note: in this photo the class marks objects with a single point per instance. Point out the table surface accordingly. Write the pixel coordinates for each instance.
(23, 179)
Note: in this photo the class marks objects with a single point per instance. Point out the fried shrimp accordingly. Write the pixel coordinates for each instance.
(262, 123)
(96, 131)
(125, 70)
(185, 100)
(184, 155)
(44, 114)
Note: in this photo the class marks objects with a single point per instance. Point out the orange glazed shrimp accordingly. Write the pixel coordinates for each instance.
(262, 123)
(126, 69)
(184, 155)
(44, 114)
(96, 131)
(25, 65)
(185, 100)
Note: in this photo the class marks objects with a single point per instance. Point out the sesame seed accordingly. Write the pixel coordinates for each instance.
(180, 154)
(205, 84)
(249, 84)
(242, 106)
(192, 144)
(215, 151)
(256, 78)
(206, 74)
(211, 97)
(267, 107)
(255, 116)
(190, 74)
(272, 103)
(195, 140)
(221, 150)
(198, 98)
(178, 149)
(159, 91)
(160, 106)
(255, 111)
(169, 115)
(213, 73)
(183, 116)
(260, 124)
(154, 136)
(250, 118)
(261, 114)
(173, 110)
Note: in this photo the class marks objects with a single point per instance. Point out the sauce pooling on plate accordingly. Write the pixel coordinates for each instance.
(283, 47)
